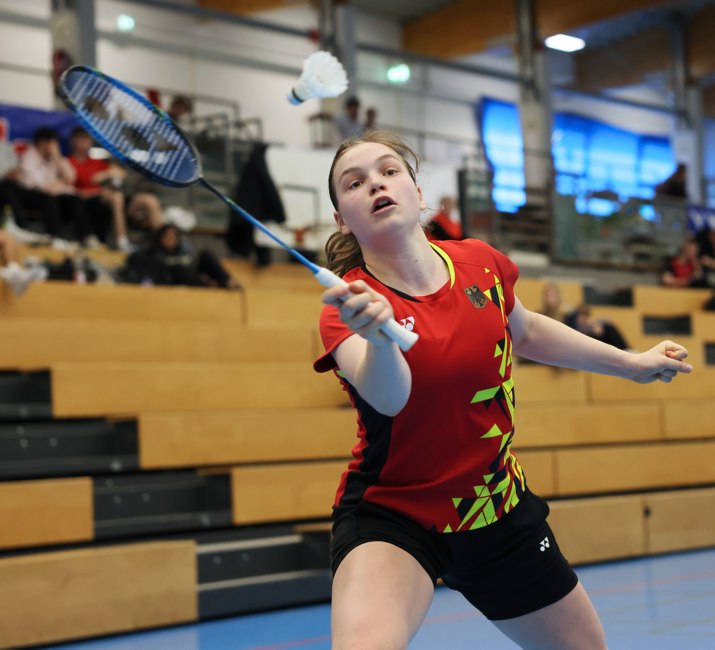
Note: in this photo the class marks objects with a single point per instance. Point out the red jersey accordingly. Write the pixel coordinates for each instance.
(86, 170)
(444, 460)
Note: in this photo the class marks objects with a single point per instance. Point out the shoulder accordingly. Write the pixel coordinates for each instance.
(473, 251)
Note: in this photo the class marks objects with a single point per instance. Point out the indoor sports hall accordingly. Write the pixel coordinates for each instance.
(272, 276)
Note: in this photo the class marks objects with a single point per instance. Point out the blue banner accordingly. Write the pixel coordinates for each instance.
(22, 122)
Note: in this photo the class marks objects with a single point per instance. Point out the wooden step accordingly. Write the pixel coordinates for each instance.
(90, 390)
(559, 425)
(172, 440)
(123, 302)
(40, 342)
(66, 595)
(42, 513)
(285, 491)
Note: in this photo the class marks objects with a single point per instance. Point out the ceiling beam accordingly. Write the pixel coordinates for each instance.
(699, 43)
(470, 26)
(461, 28)
(245, 7)
(625, 62)
(563, 16)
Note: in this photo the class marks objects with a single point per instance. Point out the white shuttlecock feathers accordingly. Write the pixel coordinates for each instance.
(323, 76)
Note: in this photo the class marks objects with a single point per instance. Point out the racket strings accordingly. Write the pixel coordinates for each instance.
(139, 133)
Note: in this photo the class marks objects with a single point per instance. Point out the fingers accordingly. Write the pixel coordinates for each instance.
(675, 355)
(337, 295)
(363, 310)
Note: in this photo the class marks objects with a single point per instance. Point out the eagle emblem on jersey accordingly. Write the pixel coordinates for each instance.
(476, 296)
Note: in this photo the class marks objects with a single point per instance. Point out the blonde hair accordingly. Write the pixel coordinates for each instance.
(342, 249)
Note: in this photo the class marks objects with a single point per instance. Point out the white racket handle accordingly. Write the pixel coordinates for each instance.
(392, 329)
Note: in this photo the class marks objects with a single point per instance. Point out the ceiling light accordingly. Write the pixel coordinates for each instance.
(125, 23)
(398, 74)
(565, 43)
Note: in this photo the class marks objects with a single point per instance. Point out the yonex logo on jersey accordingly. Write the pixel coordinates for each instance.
(544, 544)
(408, 323)
(476, 297)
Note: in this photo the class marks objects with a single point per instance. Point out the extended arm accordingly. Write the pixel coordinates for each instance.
(548, 341)
(371, 362)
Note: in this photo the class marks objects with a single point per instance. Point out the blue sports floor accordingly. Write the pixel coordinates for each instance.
(661, 603)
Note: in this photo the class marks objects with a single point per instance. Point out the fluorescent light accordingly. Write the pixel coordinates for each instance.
(398, 74)
(565, 43)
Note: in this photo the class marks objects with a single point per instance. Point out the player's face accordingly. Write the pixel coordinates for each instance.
(376, 194)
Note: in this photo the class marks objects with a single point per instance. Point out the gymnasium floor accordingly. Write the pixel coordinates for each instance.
(660, 603)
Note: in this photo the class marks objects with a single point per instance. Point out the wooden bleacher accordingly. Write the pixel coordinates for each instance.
(220, 385)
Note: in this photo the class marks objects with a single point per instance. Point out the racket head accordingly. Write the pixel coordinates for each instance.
(137, 133)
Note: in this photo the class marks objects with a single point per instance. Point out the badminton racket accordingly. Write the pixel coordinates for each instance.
(144, 138)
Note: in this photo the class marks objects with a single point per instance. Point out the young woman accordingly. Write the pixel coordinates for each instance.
(433, 490)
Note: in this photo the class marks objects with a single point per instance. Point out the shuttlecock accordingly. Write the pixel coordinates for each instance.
(323, 76)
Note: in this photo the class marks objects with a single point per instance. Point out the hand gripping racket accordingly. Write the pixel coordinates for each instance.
(143, 137)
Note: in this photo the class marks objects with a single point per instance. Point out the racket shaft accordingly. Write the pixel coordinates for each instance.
(392, 329)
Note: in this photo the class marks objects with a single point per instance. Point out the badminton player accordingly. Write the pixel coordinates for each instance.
(433, 490)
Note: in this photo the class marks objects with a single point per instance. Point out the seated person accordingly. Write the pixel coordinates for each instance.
(98, 182)
(170, 260)
(552, 304)
(47, 184)
(684, 269)
(596, 328)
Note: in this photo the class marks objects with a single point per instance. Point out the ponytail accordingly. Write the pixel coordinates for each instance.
(343, 252)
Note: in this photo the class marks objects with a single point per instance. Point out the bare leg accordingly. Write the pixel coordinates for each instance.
(568, 624)
(9, 250)
(380, 598)
(116, 200)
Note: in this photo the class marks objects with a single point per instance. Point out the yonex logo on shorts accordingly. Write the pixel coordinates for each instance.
(544, 544)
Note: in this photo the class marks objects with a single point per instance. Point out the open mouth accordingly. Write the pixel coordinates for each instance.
(381, 204)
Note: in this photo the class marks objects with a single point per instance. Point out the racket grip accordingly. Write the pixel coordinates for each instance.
(392, 329)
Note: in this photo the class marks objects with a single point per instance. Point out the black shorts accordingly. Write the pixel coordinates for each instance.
(507, 569)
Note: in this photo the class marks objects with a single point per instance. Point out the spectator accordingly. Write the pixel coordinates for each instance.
(551, 302)
(445, 223)
(180, 107)
(47, 184)
(11, 209)
(348, 122)
(705, 240)
(143, 206)
(170, 260)
(370, 119)
(98, 181)
(596, 328)
(16, 275)
(684, 269)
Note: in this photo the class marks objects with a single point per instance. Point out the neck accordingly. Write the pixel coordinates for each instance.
(416, 270)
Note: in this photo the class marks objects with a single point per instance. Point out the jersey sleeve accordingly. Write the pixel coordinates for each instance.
(332, 332)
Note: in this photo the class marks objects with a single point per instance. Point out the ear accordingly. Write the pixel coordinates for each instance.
(341, 224)
(423, 203)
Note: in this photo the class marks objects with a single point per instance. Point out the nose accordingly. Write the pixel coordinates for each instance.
(376, 184)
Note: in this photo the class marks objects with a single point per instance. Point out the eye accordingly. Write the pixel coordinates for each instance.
(353, 184)
(391, 171)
